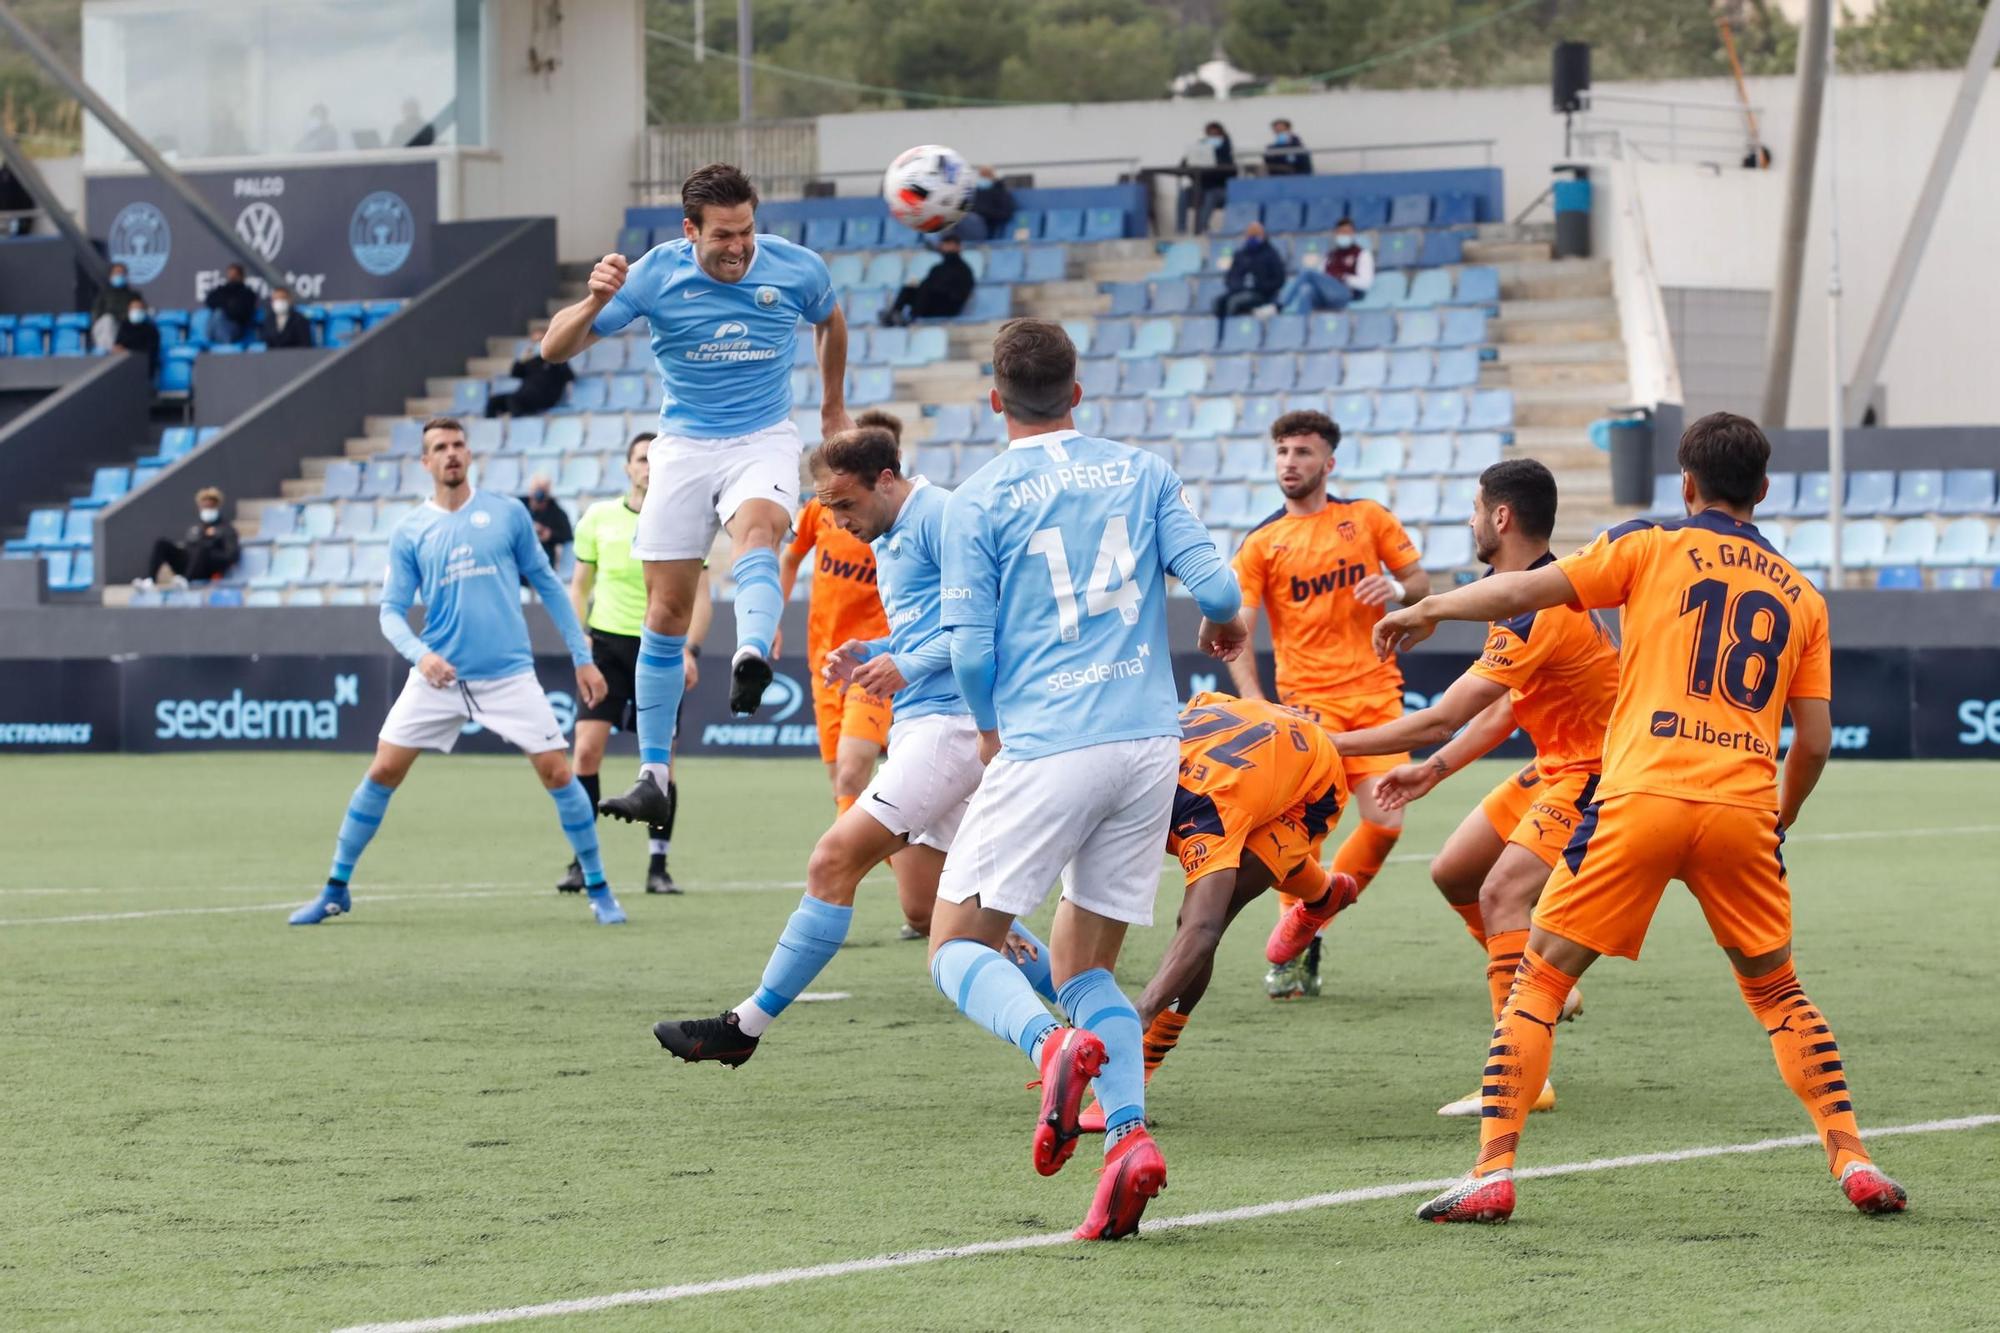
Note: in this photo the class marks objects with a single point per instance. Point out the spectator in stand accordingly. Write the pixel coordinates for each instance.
(412, 131)
(1209, 163)
(284, 326)
(320, 135)
(108, 308)
(1286, 154)
(138, 333)
(942, 292)
(232, 308)
(992, 209)
(542, 385)
(208, 551)
(552, 526)
(1256, 274)
(1350, 272)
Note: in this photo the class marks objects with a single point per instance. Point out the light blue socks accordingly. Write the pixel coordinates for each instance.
(758, 601)
(1093, 1001)
(992, 993)
(364, 815)
(579, 825)
(810, 940)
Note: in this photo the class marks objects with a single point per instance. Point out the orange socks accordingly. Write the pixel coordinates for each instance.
(1162, 1035)
(1503, 957)
(1475, 923)
(1365, 850)
(842, 804)
(1517, 1064)
(1808, 1059)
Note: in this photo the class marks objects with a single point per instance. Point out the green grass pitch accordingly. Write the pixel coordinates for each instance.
(451, 1102)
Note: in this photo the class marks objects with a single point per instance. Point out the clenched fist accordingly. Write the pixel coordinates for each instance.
(607, 276)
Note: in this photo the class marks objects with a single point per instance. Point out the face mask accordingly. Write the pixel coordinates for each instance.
(1343, 242)
(118, 280)
(281, 308)
(1215, 141)
(136, 316)
(209, 515)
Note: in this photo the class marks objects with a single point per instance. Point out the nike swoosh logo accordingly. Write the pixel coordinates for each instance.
(878, 797)
(689, 293)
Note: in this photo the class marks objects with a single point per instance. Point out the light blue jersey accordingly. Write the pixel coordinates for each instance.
(1059, 549)
(467, 565)
(724, 348)
(908, 575)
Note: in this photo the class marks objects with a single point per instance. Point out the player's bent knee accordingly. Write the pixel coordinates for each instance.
(835, 869)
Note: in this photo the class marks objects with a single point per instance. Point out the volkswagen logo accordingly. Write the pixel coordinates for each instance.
(382, 233)
(140, 240)
(262, 229)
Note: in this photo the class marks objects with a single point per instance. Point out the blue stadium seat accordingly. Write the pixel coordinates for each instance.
(1195, 337)
(414, 482)
(1457, 368)
(34, 333)
(1388, 290)
(1103, 224)
(603, 357)
(1368, 212)
(987, 304)
(1125, 418)
(1429, 456)
(1455, 499)
(45, 528)
(1899, 577)
(1475, 452)
(1374, 457)
(1478, 284)
(845, 270)
(1415, 499)
(1354, 412)
(176, 374)
(1396, 411)
(1914, 541)
(822, 233)
(861, 232)
(1323, 212)
(1241, 333)
(525, 433)
(176, 442)
(1454, 208)
(1328, 332)
(1491, 409)
(1864, 542)
(1410, 210)
(886, 270)
(1396, 250)
(1227, 506)
(344, 322)
(1099, 377)
(1180, 259)
(1440, 248)
(79, 529)
(1089, 417)
(628, 393)
(1229, 374)
(71, 571)
(107, 484)
(951, 422)
(1810, 545)
(330, 563)
(1372, 328)
(1255, 418)
(1431, 287)
(1239, 214)
(1447, 548)
(1870, 492)
(72, 334)
(1814, 498)
(1462, 326)
(1170, 296)
(633, 241)
(1062, 224)
(1319, 372)
(1917, 492)
(1047, 263)
(1410, 368)
(1005, 265)
(1243, 459)
(1963, 542)
(288, 566)
(1026, 225)
(1418, 328)
(342, 480)
(1212, 419)
(468, 398)
(1364, 370)
(935, 461)
(1968, 491)
(1285, 215)
(1285, 333)
(1112, 338)
(1201, 453)
(502, 474)
(1186, 376)
(792, 229)
(1154, 337)
(1167, 417)
(927, 346)
(374, 312)
(8, 323)
(806, 388)
(582, 475)
(1140, 375)
(1276, 374)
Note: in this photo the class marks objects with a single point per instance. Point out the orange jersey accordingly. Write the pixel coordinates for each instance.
(1561, 669)
(1256, 777)
(1302, 568)
(845, 602)
(1720, 631)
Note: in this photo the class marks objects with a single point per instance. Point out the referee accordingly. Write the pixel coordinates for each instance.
(606, 567)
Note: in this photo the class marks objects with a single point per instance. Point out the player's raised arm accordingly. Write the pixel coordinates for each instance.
(1468, 697)
(1501, 597)
(830, 348)
(572, 328)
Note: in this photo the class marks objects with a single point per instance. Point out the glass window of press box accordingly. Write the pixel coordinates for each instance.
(285, 78)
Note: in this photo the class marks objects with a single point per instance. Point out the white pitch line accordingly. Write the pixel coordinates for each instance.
(245, 907)
(781, 1277)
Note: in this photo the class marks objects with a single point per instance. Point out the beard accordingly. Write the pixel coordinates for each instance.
(1299, 490)
(1485, 546)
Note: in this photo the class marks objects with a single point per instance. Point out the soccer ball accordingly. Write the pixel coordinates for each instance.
(927, 188)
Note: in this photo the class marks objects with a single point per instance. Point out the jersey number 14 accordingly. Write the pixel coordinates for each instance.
(1114, 560)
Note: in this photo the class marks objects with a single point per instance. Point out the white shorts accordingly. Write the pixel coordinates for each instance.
(514, 708)
(1096, 817)
(923, 786)
(698, 485)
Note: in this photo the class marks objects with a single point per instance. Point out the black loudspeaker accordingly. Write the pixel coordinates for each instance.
(1569, 75)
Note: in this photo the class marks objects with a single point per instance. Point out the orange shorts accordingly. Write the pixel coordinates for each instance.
(1539, 813)
(843, 711)
(1352, 713)
(1221, 834)
(1608, 881)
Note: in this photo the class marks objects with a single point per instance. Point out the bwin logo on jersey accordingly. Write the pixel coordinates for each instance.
(140, 240)
(382, 232)
(262, 229)
(730, 328)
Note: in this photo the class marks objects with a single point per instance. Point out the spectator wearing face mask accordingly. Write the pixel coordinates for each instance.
(137, 332)
(1256, 272)
(284, 326)
(1210, 162)
(232, 308)
(1286, 154)
(209, 550)
(109, 308)
(1349, 273)
(552, 525)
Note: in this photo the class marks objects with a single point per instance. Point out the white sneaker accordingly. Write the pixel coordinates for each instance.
(1266, 310)
(1468, 1105)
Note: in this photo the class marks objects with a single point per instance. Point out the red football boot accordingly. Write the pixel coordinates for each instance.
(1134, 1172)
(1298, 925)
(1071, 1057)
(1869, 1190)
(1488, 1198)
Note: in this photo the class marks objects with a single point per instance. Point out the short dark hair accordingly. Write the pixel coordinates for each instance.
(281, 288)
(641, 438)
(234, 268)
(1034, 369)
(438, 423)
(1307, 423)
(1528, 489)
(882, 420)
(863, 453)
(717, 183)
(1727, 455)
(1344, 222)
